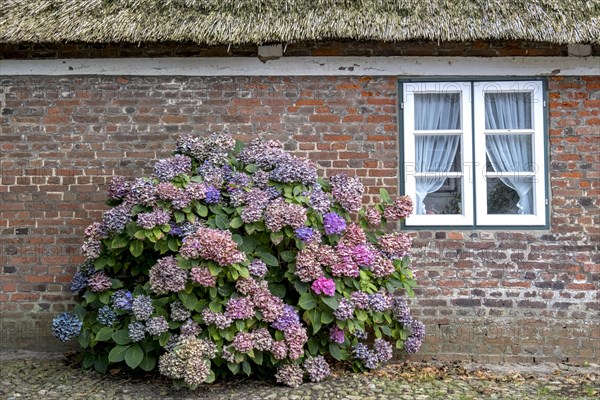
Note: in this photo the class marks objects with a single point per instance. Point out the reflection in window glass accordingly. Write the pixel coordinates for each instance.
(439, 196)
(513, 195)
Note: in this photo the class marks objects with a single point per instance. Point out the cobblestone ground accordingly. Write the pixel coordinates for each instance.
(40, 377)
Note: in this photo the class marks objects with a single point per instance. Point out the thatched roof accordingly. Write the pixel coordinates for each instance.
(218, 22)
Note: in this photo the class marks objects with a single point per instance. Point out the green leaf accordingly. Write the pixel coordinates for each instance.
(121, 337)
(84, 339)
(251, 168)
(307, 301)
(384, 195)
(117, 354)
(289, 256)
(326, 317)
(234, 368)
(136, 248)
(258, 357)
(331, 302)
(179, 217)
(277, 290)
(119, 242)
(313, 346)
(236, 223)
(104, 297)
(211, 377)
(269, 259)
(148, 362)
(101, 364)
(134, 356)
(334, 350)
(221, 222)
(276, 237)
(246, 368)
(189, 300)
(386, 330)
(164, 338)
(173, 245)
(104, 334)
(88, 360)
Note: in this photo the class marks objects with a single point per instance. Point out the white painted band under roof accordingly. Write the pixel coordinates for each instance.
(309, 66)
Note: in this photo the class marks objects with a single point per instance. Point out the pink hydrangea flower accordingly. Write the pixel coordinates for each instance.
(324, 285)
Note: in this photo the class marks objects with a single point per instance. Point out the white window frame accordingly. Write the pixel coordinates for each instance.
(473, 153)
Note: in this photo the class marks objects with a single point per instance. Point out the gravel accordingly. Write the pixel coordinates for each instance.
(39, 376)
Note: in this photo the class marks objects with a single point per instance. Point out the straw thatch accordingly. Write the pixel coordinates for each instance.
(217, 22)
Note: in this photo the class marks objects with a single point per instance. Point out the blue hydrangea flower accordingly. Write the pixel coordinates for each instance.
(213, 196)
(66, 326)
(106, 316)
(78, 283)
(122, 299)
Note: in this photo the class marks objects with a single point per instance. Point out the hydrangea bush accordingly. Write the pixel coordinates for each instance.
(234, 259)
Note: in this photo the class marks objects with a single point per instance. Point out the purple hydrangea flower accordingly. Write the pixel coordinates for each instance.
(167, 169)
(336, 335)
(118, 188)
(295, 170)
(401, 311)
(306, 234)
(412, 345)
(319, 200)
(360, 300)
(179, 312)
(417, 329)
(380, 302)
(202, 276)
(345, 310)
(258, 268)
(240, 308)
(401, 208)
(347, 191)
(151, 219)
(290, 317)
(213, 195)
(383, 350)
(317, 368)
(333, 223)
(243, 342)
(116, 218)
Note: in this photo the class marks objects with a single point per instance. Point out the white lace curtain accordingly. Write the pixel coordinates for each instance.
(435, 153)
(511, 152)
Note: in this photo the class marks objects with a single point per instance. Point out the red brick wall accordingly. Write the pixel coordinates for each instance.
(520, 296)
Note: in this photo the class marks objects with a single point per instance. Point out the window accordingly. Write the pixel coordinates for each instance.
(474, 153)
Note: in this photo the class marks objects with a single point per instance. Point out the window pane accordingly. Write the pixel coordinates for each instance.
(508, 110)
(509, 153)
(439, 196)
(510, 195)
(437, 111)
(438, 153)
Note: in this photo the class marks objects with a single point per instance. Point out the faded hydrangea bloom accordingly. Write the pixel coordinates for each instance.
(179, 312)
(317, 368)
(289, 375)
(142, 307)
(347, 191)
(157, 325)
(137, 331)
(212, 244)
(166, 276)
(99, 282)
(167, 169)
